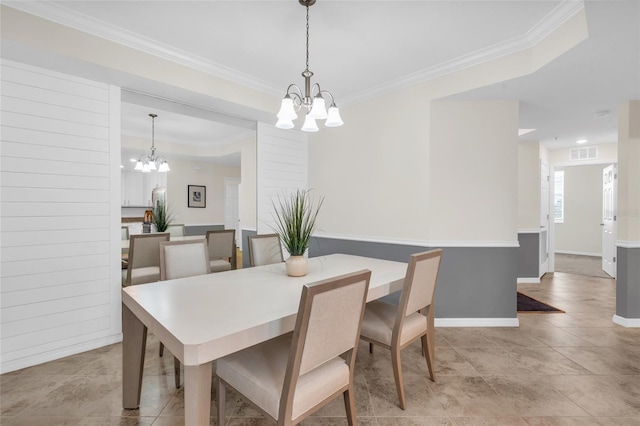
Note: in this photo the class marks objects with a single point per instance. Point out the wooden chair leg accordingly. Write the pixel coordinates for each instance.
(176, 370)
(161, 348)
(350, 405)
(220, 393)
(428, 343)
(370, 347)
(396, 363)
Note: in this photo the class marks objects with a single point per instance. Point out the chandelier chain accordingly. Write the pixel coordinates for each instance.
(307, 36)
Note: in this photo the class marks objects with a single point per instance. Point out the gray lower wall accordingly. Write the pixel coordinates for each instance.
(628, 283)
(474, 282)
(190, 230)
(529, 255)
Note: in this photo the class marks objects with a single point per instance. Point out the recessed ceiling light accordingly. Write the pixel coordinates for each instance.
(581, 141)
(525, 131)
(133, 160)
(602, 114)
(121, 166)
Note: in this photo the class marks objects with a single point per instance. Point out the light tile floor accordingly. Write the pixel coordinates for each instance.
(577, 368)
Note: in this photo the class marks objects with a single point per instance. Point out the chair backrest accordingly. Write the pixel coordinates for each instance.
(124, 232)
(176, 230)
(327, 326)
(265, 249)
(144, 250)
(221, 243)
(181, 259)
(420, 282)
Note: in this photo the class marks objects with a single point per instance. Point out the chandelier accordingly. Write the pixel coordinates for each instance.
(312, 99)
(146, 162)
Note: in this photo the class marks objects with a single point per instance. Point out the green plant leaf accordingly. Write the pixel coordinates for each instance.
(162, 217)
(295, 216)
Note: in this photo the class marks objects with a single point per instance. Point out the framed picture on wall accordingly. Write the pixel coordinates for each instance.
(197, 196)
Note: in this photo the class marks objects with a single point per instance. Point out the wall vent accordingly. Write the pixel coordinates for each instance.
(585, 153)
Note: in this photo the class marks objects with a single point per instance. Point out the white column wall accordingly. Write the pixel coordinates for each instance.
(474, 170)
(529, 186)
(59, 215)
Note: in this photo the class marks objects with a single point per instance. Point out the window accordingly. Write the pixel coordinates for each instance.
(558, 196)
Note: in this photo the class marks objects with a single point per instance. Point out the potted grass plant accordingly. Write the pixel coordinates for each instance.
(161, 217)
(295, 220)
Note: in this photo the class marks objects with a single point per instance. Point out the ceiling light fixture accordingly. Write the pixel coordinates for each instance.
(312, 98)
(581, 141)
(146, 163)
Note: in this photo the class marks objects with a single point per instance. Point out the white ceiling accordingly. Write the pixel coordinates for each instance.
(358, 49)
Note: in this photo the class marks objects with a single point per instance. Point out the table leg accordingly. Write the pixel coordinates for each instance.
(134, 341)
(197, 394)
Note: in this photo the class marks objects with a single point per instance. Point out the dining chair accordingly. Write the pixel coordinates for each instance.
(176, 230)
(182, 259)
(290, 377)
(144, 258)
(397, 326)
(222, 250)
(265, 249)
(124, 232)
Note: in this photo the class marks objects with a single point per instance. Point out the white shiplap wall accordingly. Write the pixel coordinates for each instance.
(282, 167)
(59, 215)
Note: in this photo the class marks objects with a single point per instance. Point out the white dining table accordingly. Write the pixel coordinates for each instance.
(200, 319)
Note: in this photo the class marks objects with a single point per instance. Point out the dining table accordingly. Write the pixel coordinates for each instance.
(200, 319)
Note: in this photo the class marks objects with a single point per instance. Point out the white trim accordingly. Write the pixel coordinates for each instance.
(626, 322)
(628, 244)
(529, 231)
(552, 21)
(477, 322)
(421, 243)
(113, 33)
(203, 224)
(585, 163)
(579, 253)
(40, 358)
(527, 280)
(64, 16)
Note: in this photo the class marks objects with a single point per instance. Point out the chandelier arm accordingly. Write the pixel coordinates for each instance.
(333, 102)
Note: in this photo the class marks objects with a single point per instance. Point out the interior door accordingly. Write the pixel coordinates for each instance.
(609, 176)
(544, 218)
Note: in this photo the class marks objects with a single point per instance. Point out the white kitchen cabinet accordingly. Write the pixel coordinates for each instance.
(137, 187)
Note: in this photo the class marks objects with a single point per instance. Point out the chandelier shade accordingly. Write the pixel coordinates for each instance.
(311, 99)
(146, 163)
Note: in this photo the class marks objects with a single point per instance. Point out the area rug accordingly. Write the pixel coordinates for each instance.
(530, 305)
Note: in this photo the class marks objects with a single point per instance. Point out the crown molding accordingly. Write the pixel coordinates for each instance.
(64, 16)
(96, 27)
(551, 22)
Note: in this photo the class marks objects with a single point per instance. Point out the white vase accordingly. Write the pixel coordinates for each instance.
(296, 266)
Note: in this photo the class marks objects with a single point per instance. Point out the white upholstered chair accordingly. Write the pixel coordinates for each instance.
(397, 326)
(290, 377)
(181, 259)
(222, 250)
(176, 230)
(144, 258)
(264, 249)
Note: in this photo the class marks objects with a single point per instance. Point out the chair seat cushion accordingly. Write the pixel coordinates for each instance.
(379, 318)
(219, 265)
(258, 373)
(148, 274)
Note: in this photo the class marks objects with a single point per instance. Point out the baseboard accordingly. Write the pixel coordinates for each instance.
(626, 322)
(531, 280)
(30, 361)
(477, 322)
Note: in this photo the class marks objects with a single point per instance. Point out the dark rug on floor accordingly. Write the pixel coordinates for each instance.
(531, 305)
